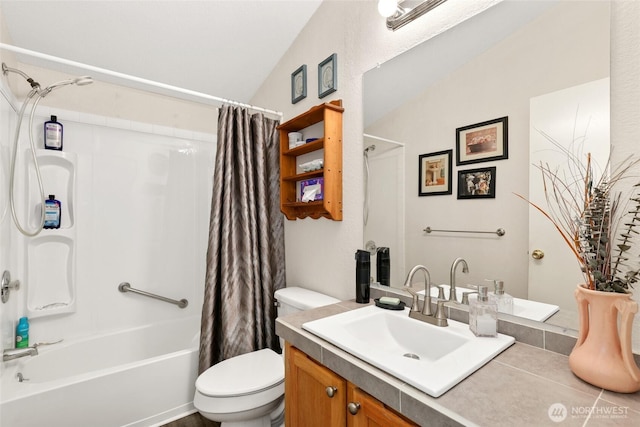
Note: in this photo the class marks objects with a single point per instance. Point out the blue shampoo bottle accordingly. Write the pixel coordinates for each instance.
(52, 212)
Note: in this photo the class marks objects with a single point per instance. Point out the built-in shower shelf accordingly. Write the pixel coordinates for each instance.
(58, 170)
(51, 255)
(328, 147)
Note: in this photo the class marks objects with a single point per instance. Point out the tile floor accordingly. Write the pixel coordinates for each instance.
(193, 420)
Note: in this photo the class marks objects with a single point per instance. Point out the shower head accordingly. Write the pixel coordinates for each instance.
(83, 80)
(6, 70)
(372, 147)
(79, 81)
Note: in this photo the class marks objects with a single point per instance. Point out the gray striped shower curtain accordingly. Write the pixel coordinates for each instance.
(245, 257)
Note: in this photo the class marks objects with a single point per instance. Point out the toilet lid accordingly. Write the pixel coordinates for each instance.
(249, 373)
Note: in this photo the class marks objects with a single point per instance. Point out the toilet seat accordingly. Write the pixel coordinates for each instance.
(249, 373)
(251, 384)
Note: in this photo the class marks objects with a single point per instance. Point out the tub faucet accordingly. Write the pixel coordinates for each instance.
(452, 277)
(16, 353)
(426, 315)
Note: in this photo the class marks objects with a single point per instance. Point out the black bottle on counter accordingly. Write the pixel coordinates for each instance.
(363, 276)
(383, 266)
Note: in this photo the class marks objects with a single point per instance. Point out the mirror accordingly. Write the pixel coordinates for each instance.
(488, 67)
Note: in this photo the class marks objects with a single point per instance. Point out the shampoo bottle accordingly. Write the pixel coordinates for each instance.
(363, 276)
(503, 300)
(52, 212)
(22, 333)
(53, 134)
(483, 315)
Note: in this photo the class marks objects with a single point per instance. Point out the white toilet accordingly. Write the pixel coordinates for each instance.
(248, 390)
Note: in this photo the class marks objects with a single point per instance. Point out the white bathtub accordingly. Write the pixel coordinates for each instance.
(138, 377)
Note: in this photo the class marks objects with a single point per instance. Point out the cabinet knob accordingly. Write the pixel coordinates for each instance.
(353, 408)
(537, 254)
(331, 391)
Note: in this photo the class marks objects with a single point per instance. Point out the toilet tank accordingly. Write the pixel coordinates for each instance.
(295, 299)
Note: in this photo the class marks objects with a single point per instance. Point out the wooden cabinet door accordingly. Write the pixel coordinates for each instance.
(314, 395)
(370, 412)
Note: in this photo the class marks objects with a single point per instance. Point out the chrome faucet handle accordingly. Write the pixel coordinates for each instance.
(441, 314)
(465, 297)
(8, 285)
(414, 297)
(426, 307)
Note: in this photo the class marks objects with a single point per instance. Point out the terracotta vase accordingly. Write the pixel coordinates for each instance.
(603, 355)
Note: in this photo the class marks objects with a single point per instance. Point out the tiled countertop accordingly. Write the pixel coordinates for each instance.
(522, 386)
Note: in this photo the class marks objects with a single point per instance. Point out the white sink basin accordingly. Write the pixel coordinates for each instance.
(430, 358)
(533, 310)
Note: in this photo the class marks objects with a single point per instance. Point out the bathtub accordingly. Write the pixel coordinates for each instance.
(138, 377)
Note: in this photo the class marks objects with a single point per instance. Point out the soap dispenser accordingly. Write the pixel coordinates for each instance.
(503, 300)
(483, 314)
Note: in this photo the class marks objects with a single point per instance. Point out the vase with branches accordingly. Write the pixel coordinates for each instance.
(600, 227)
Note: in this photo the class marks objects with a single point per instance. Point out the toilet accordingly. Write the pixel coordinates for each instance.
(248, 390)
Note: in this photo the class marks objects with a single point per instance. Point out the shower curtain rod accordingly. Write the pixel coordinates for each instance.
(366, 135)
(129, 77)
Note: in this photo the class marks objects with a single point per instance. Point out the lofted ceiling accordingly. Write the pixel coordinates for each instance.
(224, 48)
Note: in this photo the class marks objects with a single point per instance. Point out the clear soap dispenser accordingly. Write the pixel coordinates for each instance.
(502, 299)
(483, 315)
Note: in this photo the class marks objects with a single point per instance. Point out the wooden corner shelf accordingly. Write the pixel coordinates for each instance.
(328, 147)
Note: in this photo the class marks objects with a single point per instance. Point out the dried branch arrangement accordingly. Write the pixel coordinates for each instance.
(591, 220)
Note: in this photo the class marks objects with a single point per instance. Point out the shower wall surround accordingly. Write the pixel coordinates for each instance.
(50, 263)
(135, 200)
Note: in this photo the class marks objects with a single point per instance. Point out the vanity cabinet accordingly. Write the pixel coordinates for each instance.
(317, 396)
(328, 147)
(371, 412)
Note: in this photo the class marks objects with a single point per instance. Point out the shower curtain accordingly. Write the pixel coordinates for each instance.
(245, 257)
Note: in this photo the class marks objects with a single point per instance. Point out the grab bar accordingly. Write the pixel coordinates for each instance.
(500, 231)
(126, 287)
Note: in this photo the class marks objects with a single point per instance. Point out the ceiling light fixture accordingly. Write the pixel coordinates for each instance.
(399, 12)
(387, 8)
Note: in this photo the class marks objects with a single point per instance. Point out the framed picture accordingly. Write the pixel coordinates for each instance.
(327, 76)
(434, 177)
(477, 183)
(299, 84)
(482, 142)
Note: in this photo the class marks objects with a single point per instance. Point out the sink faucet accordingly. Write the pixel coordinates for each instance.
(16, 353)
(426, 315)
(452, 277)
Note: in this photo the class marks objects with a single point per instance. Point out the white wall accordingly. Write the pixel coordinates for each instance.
(625, 86)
